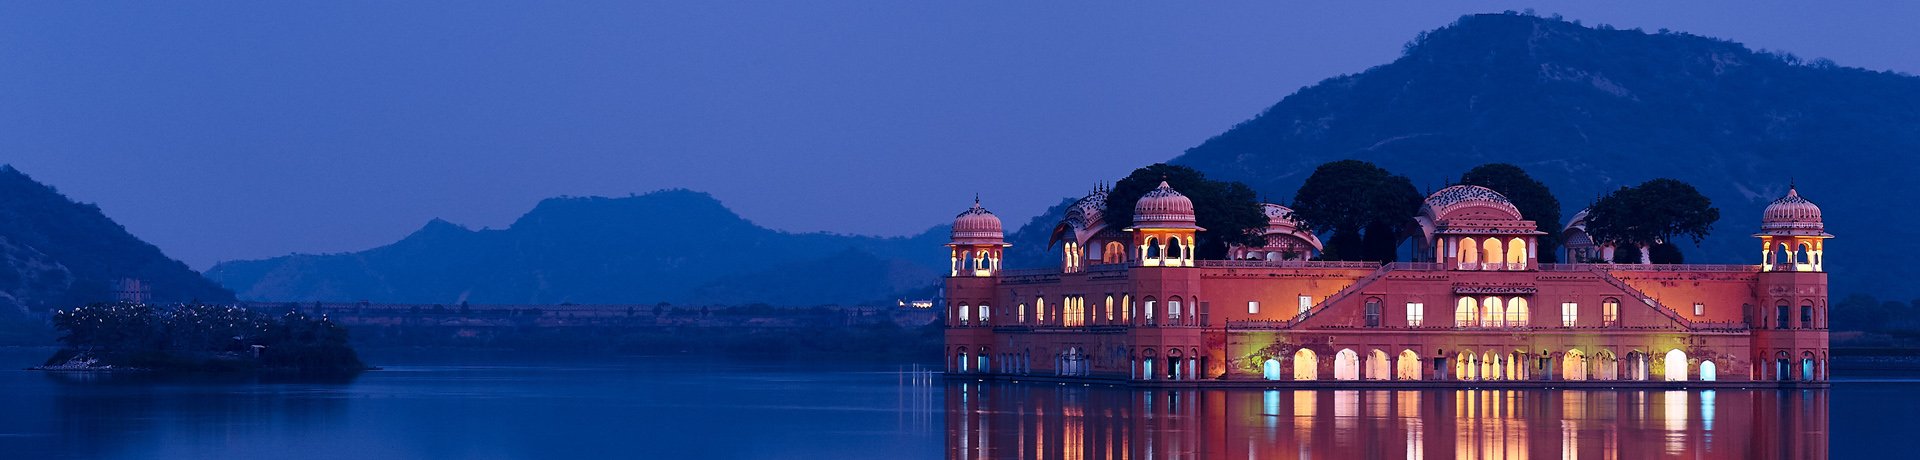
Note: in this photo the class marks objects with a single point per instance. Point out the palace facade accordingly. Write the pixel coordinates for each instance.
(1135, 305)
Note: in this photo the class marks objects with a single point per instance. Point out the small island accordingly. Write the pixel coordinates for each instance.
(199, 338)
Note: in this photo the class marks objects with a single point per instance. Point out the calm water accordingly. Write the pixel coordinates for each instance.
(493, 406)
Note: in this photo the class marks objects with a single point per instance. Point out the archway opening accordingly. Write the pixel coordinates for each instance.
(1270, 370)
(1495, 254)
(1378, 366)
(1407, 367)
(1573, 366)
(1676, 366)
(1306, 366)
(1346, 365)
(1708, 372)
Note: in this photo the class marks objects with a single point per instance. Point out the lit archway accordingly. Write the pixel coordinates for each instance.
(1346, 365)
(1270, 370)
(1469, 253)
(1573, 366)
(1378, 367)
(1676, 366)
(1708, 372)
(1516, 254)
(1407, 367)
(1496, 312)
(1466, 366)
(1495, 253)
(1606, 366)
(1306, 366)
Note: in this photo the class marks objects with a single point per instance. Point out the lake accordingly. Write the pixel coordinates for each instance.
(508, 406)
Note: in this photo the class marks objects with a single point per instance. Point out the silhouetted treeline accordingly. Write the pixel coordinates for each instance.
(199, 337)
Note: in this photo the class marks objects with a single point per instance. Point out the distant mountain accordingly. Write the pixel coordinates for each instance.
(675, 246)
(56, 253)
(1587, 110)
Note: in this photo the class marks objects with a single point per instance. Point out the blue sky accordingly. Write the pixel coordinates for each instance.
(225, 130)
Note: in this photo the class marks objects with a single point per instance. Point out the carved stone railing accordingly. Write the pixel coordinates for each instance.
(1721, 268)
(1285, 264)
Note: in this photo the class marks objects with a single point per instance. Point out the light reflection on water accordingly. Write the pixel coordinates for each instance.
(1014, 420)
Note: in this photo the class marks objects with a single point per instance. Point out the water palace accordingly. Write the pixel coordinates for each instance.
(1133, 305)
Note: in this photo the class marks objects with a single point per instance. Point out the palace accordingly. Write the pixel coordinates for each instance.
(1135, 305)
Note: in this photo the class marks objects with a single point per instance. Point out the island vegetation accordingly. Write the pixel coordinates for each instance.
(198, 337)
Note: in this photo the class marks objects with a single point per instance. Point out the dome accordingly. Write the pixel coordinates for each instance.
(1792, 213)
(1163, 208)
(1471, 202)
(977, 225)
(1089, 211)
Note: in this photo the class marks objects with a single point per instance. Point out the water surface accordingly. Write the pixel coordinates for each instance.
(477, 405)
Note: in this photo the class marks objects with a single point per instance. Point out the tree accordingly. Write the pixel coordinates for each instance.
(1534, 200)
(1362, 205)
(1228, 210)
(1650, 214)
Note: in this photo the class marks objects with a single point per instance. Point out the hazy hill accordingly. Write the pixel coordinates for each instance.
(1588, 110)
(676, 246)
(56, 253)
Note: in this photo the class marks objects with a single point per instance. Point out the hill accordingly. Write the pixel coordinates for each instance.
(675, 246)
(56, 253)
(1590, 109)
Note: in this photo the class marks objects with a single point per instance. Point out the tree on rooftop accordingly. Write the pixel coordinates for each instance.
(1653, 213)
(1362, 205)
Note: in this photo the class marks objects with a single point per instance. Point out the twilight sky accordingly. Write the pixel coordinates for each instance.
(227, 130)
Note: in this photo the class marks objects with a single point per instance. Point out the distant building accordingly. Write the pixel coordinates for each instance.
(132, 290)
(1134, 304)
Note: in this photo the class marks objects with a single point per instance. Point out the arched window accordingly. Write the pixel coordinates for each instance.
(1173, 310)
(1781, 316)
(1465, 313)
(1610, 312)
(1806, 366)
(1174, 249)
(1126, 308)
(1494, 254)
(1516, 254)
(1115, 253)
(1804, 256)
(1270, 369)
(1373, 312)
(1517, 315)
(1469, 252)
(963, 314)
(1496, 315)
(983, 314)
(1023, 313)
(1109, 308)
(1152, 251)
(1806, 314)
(1148, 305)
(1379, 366)
(1040, 309)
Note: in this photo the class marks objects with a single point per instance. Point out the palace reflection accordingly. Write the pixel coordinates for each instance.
(1053, 421)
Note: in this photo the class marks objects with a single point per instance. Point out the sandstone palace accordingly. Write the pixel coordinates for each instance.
(1134, 305)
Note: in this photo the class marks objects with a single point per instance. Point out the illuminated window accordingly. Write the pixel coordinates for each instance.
(1416, 314)
(1466, 313)
(1569, 313)
(1023, 313)
(1699, 309)
(1148, 310)
(1610, 313)
(1306, 302)
(1253, 307)
(1517, 315)
(1496, 315)
(1109, 308)
(983, 313)
(963, 313)
(1040, 309)
(1173, 310)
